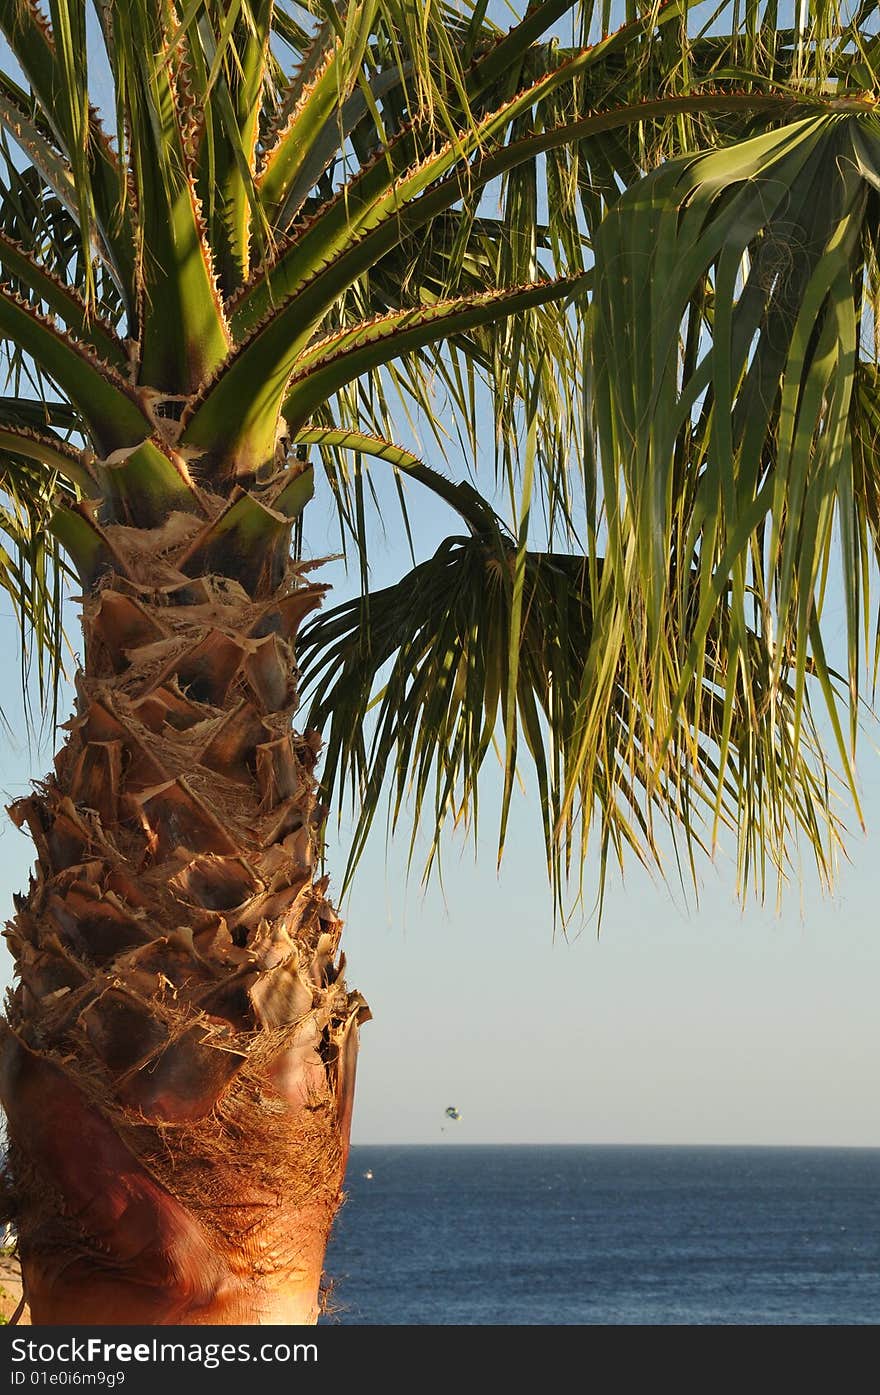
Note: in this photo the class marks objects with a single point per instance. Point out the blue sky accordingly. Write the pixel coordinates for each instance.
(716, 1024)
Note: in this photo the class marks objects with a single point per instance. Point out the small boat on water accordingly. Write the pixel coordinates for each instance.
(369, 1175)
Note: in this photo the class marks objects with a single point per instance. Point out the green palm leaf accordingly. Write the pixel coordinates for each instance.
(742, 465)
(264, 261)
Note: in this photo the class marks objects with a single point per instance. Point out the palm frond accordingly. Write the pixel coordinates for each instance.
(296, 225)
(32, 565)
(412, 688)
(726, 424)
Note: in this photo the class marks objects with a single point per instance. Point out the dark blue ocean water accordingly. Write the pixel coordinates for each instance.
(607, 1235)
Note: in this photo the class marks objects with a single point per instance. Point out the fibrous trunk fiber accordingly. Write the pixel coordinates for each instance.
(178, 1059)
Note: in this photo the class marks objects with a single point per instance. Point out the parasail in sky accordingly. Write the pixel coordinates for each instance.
(452, 1112)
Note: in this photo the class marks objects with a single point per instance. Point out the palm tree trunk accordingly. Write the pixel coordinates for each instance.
(178, 1060)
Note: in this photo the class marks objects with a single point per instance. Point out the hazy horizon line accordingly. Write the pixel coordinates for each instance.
(567, 1143)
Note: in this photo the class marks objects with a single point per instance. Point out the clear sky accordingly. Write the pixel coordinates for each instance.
(674, 1025)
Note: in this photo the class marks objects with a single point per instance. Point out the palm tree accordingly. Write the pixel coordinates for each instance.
(292, 222)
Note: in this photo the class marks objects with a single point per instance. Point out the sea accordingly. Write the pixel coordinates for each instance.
(606, 1235)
